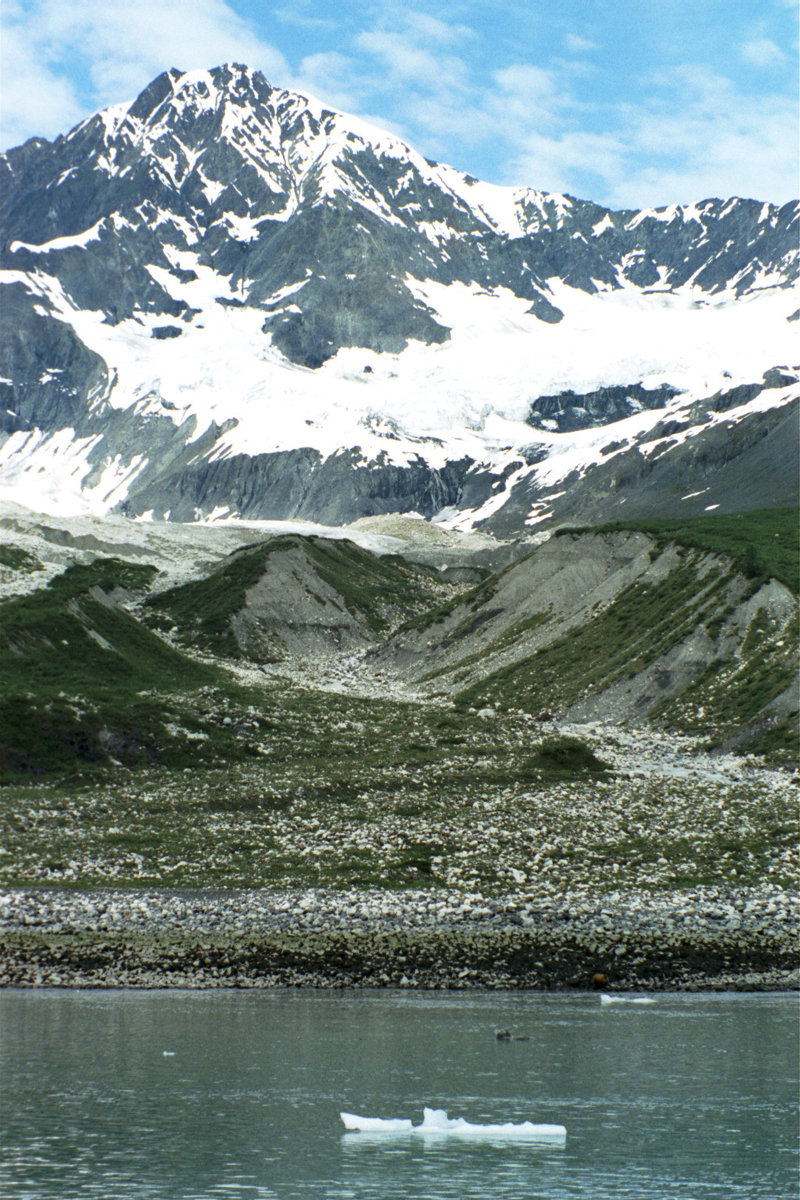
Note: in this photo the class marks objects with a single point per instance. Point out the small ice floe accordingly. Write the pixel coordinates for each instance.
(435, 1122)
(604, 1000)
(375, 1124)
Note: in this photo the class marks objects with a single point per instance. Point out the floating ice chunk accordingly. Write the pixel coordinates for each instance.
(604, 1000)
(374, 1124)
(435, 1122)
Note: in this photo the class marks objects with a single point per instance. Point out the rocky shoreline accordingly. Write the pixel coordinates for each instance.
(697, 939)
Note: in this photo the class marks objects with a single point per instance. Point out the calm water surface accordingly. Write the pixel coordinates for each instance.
(690, 1097)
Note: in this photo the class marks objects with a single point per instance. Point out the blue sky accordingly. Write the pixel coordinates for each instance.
(627, 102)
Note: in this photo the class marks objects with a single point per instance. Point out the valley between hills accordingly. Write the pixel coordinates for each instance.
(393, 709)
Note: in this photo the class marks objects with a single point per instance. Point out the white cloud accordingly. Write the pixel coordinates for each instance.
(697, 137)
(523, 83)
(715, 142)
(444, 122)
(576, 161)
(293, 14)
(526, 105)
(331, 77)
(762, 52)
(579, 45)
(123, 47)
(36, 101)
(408, 62)
(434, 30)
(693, 135)
(411, 73)
(707, 138)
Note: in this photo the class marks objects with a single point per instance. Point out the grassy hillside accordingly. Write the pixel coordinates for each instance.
(14, 558)
(762, 545)
(644, 624)
(200, 611)
(372, 588)
(86, 685)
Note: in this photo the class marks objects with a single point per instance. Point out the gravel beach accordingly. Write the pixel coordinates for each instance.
(695, 939)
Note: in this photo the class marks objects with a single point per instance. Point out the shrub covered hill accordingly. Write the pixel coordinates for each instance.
(395, 708)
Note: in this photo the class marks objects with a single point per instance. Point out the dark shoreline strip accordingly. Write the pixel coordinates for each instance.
(705, 938)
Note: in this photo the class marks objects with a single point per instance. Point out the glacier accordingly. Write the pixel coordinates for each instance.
(225, 282)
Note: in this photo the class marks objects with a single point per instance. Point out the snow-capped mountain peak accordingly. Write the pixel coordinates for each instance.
(238, 292)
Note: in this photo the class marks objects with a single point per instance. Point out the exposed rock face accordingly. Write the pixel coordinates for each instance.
(215, 196)
(727, 466)
(568, 411)
(301, 484)
(278, 193)
(49, 375)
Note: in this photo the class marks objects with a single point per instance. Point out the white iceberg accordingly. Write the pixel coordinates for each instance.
(436, 1122)
(375, 1124)
(605, 1000)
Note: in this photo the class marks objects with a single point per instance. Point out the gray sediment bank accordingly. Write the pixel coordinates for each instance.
(702, 938)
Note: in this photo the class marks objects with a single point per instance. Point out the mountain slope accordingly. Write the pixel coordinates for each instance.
(295, 596)
(689, 626)
(226, 297)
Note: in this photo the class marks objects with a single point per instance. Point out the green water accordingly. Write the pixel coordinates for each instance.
(688, 1097)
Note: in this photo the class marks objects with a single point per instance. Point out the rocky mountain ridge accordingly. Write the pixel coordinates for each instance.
(227, 297)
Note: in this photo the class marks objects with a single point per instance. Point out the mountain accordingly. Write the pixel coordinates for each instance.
(226, 299)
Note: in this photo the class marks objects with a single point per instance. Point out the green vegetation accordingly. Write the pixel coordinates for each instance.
(86, 683)
(642, 623)
(731, 695)
(14, 558)
(368, 583)
(329, 804)
(129, 762)
(201, 610)
(370, 586)
(567, 756)
(107, 574)
(779, 741)
(473, 599)
(763, 545)
(518, 630)
(459, 671)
